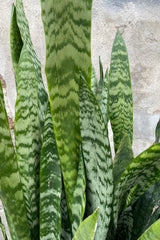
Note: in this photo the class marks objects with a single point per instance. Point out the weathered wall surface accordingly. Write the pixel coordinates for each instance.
(139, 23)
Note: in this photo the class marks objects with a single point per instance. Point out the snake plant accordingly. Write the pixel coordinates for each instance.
(59, 181)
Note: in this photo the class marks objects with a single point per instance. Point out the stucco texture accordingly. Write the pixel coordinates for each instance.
(139, 23)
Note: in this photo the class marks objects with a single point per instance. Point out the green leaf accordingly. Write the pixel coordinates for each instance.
(120, 92)
(23, 26)
(146, 210)
(97, 158)
(157, 132)
(87, 228)
(79, 202)
(123, 157)
(50, 184)
(144, 170)
(67, 26)
(10, 186)
(28, 136)
(152, 233)
(16, 43)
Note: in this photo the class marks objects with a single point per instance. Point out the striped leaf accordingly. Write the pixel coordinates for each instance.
(157, 132)
(144, 170)
(146, 210)
(16, 43)
(79, 202)
(87, 228)
(123, 157)
(152, 233)
(50, 184)
(10, 186)
(97, 158)
(67, 26)
(27, 136)
(25, 35)
(120, 92)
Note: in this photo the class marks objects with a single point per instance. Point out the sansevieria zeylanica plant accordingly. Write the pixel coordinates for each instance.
(59, 181)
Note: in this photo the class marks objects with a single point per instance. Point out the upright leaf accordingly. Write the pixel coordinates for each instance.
(79, 202)
(50, 184)
(87, 228)
(152, 233)
(27, 136)
(23, 26)
(97, 158)
(120, 92)
(144, 170)
(10, 186)
(67, 26)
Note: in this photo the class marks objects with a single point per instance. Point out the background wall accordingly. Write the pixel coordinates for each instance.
(139, 23)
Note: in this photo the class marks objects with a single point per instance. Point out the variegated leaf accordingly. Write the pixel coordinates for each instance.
(152, 233)
(97, 158)
(28, 137)
(50, 184)
(67, 27)
(10, 186)
(120, 92)
(23, 26)
(79, 197)
(87, 228)
(144, 170)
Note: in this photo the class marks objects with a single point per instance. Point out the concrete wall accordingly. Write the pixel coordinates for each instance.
(139, 23)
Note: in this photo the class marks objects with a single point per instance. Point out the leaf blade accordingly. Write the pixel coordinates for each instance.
(120, 92)
(50, 184)
(97, 158)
